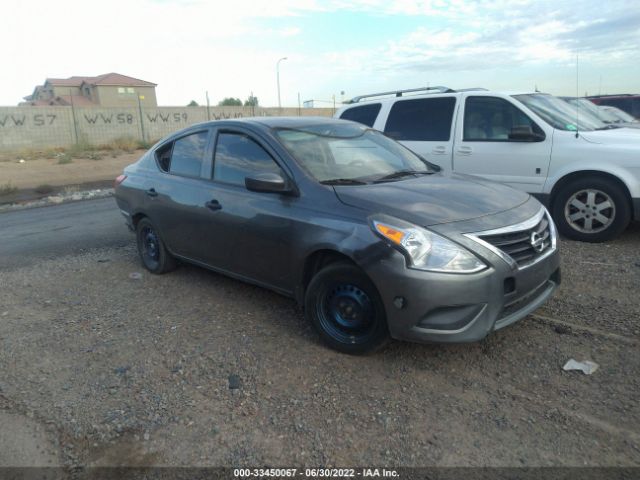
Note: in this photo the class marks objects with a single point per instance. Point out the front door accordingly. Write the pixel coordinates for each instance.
(483, 145)
(250, 233)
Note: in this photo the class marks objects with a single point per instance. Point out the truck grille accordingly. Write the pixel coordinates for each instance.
(524, 243)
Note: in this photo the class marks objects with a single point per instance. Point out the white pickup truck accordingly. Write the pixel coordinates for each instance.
(586, 172)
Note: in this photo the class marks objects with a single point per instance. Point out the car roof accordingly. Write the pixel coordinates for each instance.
(474, 92)
(275, 122)
(293, 122)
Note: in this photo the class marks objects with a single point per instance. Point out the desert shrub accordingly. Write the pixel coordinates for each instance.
(7, 188)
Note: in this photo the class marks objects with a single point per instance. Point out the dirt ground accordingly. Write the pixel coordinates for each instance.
(38, 170)
(192, 368)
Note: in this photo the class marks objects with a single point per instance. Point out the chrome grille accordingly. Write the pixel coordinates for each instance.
(522, 244)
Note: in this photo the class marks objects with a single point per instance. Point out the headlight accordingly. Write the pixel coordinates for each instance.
(427, 250)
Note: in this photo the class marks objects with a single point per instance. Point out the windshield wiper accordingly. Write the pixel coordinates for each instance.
(608, 127)
(343, 181)
(402, 173)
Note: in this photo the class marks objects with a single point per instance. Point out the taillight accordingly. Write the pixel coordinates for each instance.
(119, 180)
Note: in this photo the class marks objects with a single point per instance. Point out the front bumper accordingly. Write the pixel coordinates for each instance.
(455, 308)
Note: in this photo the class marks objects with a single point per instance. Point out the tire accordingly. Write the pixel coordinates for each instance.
(153, 254)
(591, 209)
(345, 308)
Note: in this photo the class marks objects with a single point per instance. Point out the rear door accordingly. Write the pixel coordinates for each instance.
(178, 195)
(483, 147)
(424, 125)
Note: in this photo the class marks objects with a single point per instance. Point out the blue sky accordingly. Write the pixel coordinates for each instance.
(356, 46)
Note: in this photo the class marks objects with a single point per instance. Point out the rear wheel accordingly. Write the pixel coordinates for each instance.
(346, 310)
(153, 253)
(591, 209)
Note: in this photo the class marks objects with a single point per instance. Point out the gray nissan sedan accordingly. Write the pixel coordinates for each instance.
(371, 239)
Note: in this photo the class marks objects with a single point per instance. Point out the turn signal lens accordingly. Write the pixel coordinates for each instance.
(396, 236)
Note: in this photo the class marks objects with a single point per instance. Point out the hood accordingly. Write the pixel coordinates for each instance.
(433, 199)
(615, 136)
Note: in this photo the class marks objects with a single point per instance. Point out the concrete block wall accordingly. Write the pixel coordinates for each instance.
(25, 128)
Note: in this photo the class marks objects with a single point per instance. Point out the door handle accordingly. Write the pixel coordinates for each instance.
(465, 150)
(439, 150)
(152, 192)
(213, 205)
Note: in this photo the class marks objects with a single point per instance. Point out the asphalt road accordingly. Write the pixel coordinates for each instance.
(27, 236)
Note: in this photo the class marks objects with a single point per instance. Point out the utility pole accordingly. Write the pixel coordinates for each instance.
(208, 112)
(278, 80)
(141, 119)
(73, 115)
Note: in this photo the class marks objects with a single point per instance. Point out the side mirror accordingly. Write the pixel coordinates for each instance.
(524, 133)
(267, 183)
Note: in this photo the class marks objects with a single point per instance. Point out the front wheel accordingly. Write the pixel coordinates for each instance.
(591, 209)
(154, 255)
(345, 308)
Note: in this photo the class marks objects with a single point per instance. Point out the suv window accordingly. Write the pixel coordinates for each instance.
(238, 156)
(366, 114)
(424, 119)
(491, 119)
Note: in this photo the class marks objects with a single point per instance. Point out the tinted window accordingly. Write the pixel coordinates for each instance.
(491, 119)
(366, 114)
(426, 119)
(238, 156)
(187, 154)
(163, 156)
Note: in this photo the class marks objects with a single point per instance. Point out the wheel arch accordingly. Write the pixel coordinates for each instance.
(314, 262)
(135, 219)
(569, 177)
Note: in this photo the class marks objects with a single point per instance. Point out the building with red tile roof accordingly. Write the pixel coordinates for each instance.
(107, 90)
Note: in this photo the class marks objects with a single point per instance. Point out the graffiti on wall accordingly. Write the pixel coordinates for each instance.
(159, 117)
(120, 118)
(37, 120)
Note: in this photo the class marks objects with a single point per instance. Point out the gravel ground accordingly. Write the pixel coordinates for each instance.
(192, 368)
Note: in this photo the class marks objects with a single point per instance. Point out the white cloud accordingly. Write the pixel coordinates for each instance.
(194, 45)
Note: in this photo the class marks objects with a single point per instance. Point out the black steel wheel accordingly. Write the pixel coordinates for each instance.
(346, 310)
(151, 248)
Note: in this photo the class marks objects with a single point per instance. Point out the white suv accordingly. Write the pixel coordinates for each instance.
(586, 172)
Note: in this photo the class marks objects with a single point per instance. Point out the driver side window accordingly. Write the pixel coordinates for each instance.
(238, 156)
(491, 119)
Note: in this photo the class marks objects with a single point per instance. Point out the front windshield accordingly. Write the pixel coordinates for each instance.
(591, 108)
(621, 115)
(559, 114)
(350, 154)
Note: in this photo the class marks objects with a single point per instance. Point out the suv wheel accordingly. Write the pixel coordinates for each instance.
(591, 209)
(346, 310)
(153, 254)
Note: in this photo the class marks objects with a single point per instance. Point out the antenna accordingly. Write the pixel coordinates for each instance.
(577, 96)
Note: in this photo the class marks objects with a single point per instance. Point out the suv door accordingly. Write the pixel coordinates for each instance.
(249, 233)
(425, 126)
(487, 144)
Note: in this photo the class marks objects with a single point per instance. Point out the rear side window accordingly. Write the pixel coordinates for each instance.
(424, 119)
(366, 114)
(238, 156)
(183, 156)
